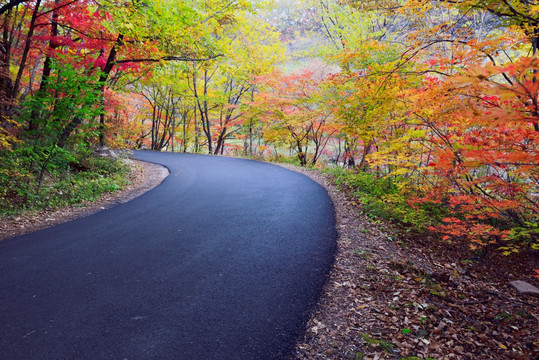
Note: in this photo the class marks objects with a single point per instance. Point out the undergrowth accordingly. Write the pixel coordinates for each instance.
(53, 177)
(385, 198)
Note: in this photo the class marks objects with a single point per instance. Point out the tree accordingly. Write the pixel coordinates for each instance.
(170, 107)
(433, 97)
(220, 86)
(293, 114)
(108, 39)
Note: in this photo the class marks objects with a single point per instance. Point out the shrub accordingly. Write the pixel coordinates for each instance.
(50, 178)
(385, 197)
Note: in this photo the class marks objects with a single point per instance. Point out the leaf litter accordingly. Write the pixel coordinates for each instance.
(393, 297)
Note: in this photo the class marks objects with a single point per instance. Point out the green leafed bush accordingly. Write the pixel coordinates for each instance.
(385, 197)
(27, 181)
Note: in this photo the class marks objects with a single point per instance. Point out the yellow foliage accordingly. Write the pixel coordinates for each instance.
(7, 136)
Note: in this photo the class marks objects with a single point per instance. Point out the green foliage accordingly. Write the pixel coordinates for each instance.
(52, 164)
(54, 177)
(522, 237)
(384, 197)
(526, 234)
(292, 160)
(385, 345)
(70, 94)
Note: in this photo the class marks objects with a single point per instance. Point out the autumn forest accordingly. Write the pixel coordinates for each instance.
(427, 112)
(430, 107)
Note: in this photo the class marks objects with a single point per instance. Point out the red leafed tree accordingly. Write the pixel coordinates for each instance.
(483, 154)
(102, 41)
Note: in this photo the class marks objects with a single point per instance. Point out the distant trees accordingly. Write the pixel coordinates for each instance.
(293, 114)
(213, 92)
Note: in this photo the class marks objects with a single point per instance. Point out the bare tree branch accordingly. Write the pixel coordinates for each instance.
(10, 5)
(167, 58)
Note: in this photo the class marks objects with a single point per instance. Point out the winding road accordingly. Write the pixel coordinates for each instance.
(223, 260)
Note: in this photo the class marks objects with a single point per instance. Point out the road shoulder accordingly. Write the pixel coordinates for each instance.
(144, 176)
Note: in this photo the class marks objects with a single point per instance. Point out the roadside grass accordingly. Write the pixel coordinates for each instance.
(30, 181)
(380, 197)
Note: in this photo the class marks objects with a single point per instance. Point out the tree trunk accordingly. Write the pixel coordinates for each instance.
(26, 50)
(33, 123)
(6, 83)
(197, 149)
(66, 132)
(535, 47)
(302, 157)
(111, 61)
(366, 150)
(203, 108)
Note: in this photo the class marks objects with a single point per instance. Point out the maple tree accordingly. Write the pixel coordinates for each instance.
(465, 135)
(432, 97)
(293, 114)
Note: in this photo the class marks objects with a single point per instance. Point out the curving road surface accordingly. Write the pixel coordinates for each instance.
(223, 260)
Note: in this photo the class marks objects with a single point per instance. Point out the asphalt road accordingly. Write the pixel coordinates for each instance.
(223, 260)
